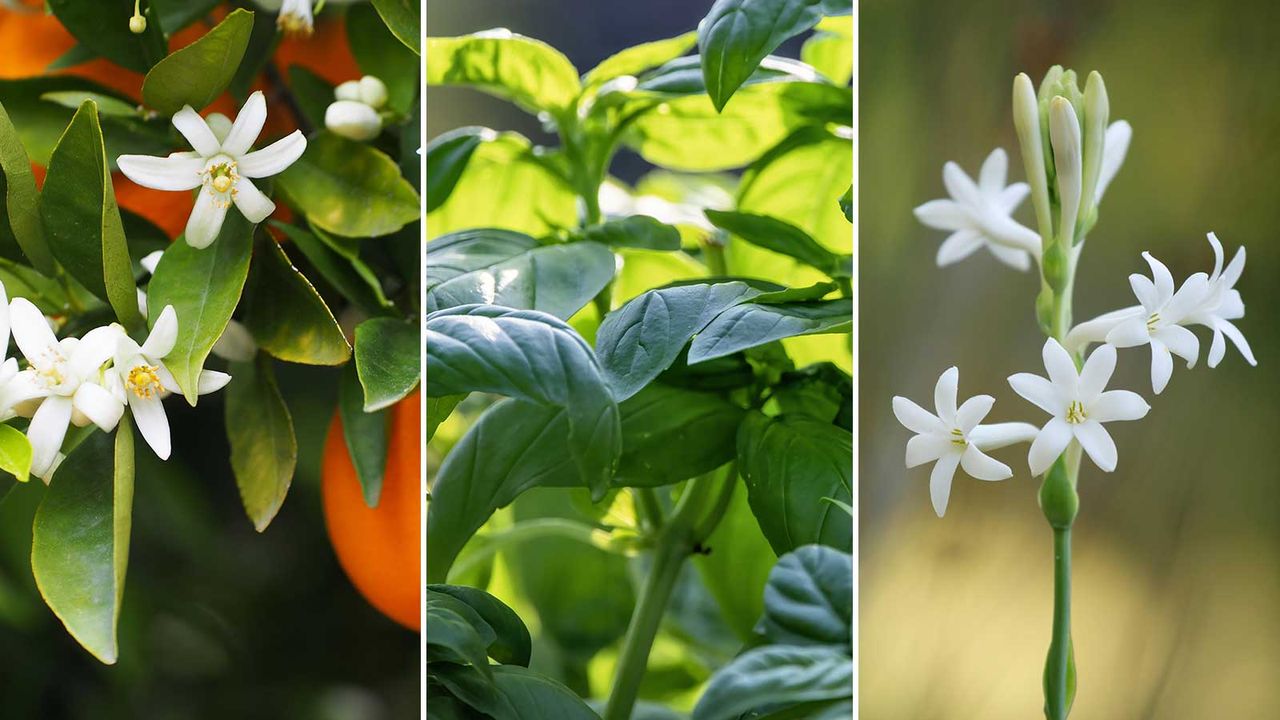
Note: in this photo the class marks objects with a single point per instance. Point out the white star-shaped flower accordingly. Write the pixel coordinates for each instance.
(1079, 404)
(221, 166)
(1222, 304)
(954, 438)
(980, 215)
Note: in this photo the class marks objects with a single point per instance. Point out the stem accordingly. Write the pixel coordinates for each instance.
(649, 508)
(1058, 680)
(713, 251)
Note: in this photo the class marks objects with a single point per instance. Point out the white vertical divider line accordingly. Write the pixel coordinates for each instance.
(857, 365)
(422, 360)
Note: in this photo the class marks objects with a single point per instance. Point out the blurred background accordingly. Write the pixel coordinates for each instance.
(1177, 553)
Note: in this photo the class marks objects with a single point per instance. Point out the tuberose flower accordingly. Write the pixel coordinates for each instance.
(1222, 304)
(980, 215)
(1079, 404)
(953, 437)
(221, 165)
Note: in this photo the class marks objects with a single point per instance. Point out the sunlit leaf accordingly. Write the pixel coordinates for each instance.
(776, 676)
(22, 199)
(198, 73)
(404, 19)
(529, 72)
(264, 450)
(286, 315)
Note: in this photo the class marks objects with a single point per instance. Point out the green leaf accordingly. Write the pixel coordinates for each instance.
(264, 451)
(107, 106)
(314, 93)
(500, 267)
(846, 204)
(348, 275)
(80, 539)
(378, 54)
(751, 325)
(809, 598)
(438, 410)
(447, 157)
(198, 73)
(349, 188)
(775, 676)
(365, 435)
(203, 286)
(635, 231)
(388, 359)
(528, 72)
(639, 58)
(512, 644)
(103, 27)
(404, 19)
(21, 198)
(790, 464)
(779, 236)
(456, 633)
(830, 50)
(286, 315)
(737, 34)
(670, 434)
(683, 76)
(738, 566)
(532, 356)
(516, 694)
(81, 218)
(15, 453)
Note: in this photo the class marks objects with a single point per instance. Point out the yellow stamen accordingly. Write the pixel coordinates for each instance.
(1075, 412)
(957, 438)
(143, 381)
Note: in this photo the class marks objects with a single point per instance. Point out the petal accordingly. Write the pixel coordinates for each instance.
(275, 157)
(944, 395)
(1019, 260)
(1191, 296)
(982, 466)
(163, 335)
(1115, 144)
(196, 131)
(1181, 342)
(927, 448)
(1234, 269)
(23, 387)
(167, 381)
(1010, 233)
(95, 348)
(1096, 373)
(1129, 333)
(1011, 197)
(1039, 392)
(1052, 439)
(47, 429)
(206, 220)
(162, 173)
(994, 170)
(1096, 330)
(1062, 370)
(1162, 277)
(1097, 442)
(255, 206)
(1217, 255)
(917, 419)
(31, 330)
(958, 246)
(247, 127)
(1218, 347)
(998, 435)
(235, 344)
(150, 261)
(940, 481)
(942, 215)
(959, 186)
(148, 415)
(1117, 405)
(1145, 291)
(99, 405)
(211, 381)
(1161, 366)
(1241, 344)
(973, 411)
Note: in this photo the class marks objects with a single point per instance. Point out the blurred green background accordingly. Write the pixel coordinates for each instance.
(1177, 553)
(218, 621)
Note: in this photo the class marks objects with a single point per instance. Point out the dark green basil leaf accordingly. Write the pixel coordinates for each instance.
(751, 325)
(635, 231)
(447, 157)
(512, 644)
(809, 598)
(737, 34)
(776, 676)
(670, 434)
(779, 236)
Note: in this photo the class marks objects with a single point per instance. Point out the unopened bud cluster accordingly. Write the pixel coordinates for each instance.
(355, 112)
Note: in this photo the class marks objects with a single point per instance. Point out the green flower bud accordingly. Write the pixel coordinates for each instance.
(137, 24)
(1045, 303)
(1064, 135)
(1026, 118)
(1097, 109)
(1058, 498)
(1056, 267)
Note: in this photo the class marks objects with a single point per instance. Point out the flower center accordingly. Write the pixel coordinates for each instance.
(957, 438)
(1075, 412)
(1153, 321)
(51, 368)
(143, 381)
(221, 178)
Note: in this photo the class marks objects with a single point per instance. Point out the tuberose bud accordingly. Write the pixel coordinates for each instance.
(352, 119)
(1026, 118)
(1097, 111)
(1064, 137)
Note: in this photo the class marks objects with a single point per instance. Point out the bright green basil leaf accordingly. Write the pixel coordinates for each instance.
(103, 27)
(21, 198)
(404, 19)
(790, 464)
(737, 34)
(809, 598)
(314, 94)
(830, 50)
(286, 315)
(264, 450)
(751, 325)
(348, 275)
(683, 76)
(107, 106)
(670, 434)
(388, 359)
(365, 435)
(203, 286)
(532, 356)
(635, 231)
(643, 270)
(516, 693)
(349, 188)
(512, 644)
(736, 569)
(639, 58)
(81, 219)
(447, 156)
(378, 54)
(500, 267)
(438, 410)
(779, 236)
(198, 73)
(80, 539)
(15, 453)
(776, 676)
(456, 633)
(528, 72)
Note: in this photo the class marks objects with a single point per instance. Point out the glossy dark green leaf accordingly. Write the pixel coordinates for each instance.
(500, 267)
(737, 34)
(776, 676)
(438, 410)
(670, 434)
(388, 356)
(790, 464)
(378, 54)
(365, 434)
(15, 453)
(80, 539)
(809, 598)
(528, 72)
(456, 633)
(639, 58)
(203, 286)
(313, 93)
(779, 236)
(635, 231)
(102, 26)
(21, 198)
(751, 325)
(821, 391)
(107, 106)
(23, 281)
(349, 188)
(81, 219)
(447, 158)
(198, 73)
(286, 315)
(512, 644)
(264, 450)
(355, 283)
(404, 19)
(516, 693)
(532, 356)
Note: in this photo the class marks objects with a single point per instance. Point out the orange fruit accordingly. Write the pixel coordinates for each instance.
(380, 548)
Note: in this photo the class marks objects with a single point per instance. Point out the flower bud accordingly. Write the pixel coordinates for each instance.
(349, 90)
(1097, 109)
(1058, 498)
(1026, 118)
(1045, 303)
(1056, 267)
(137, 24)
(1064, 137)
(373, 92)
(353, 120)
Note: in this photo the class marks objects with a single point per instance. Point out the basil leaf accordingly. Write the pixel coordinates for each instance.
(512, 644)
(751, 325)
(737, 568)
(775, 676)
(737, 34)
(779, 236)
(538, 697)
(447, 158)
(830, 50)
(528, 72)
(670, 435)
(635, 231)
(639, 58)
(809, 598)
(438, 410)
(198, 73)
(264, 450)
(456, 633)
